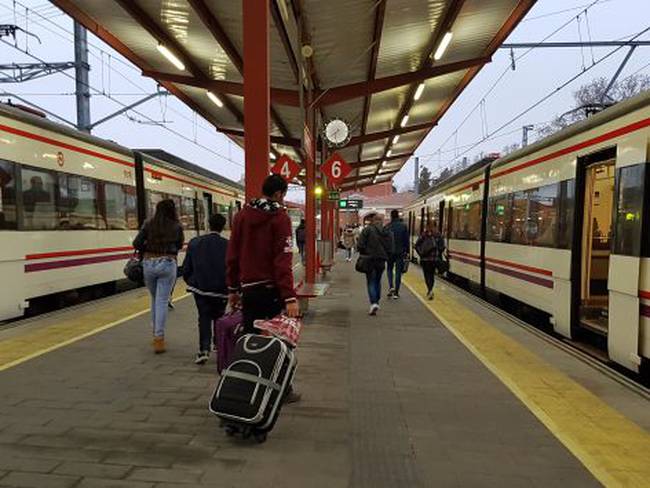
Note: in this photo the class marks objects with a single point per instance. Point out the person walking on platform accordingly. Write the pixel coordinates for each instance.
(301, 233)
(159, 241)
(349, 242)
(259, 259)
(400, 251)
(375, 246)
(430, 246)
(204, 271)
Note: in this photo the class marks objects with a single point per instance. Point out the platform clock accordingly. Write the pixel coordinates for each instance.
(336, 132)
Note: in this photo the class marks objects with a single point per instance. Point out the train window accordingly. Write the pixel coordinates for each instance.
(39, 190)
(519, 218)
(467, 221)
(115, 198)
(131, 208)
(187, 213)
(629, 210)
(565, 214)
(499, 215)
(542, 222)
(8, 218)
(77, 203)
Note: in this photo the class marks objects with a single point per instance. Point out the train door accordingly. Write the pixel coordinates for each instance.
(596, 235)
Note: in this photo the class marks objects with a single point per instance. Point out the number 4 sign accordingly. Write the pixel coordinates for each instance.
(286, 167)
(336, 169)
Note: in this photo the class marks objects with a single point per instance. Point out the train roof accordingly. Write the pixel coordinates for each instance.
(181, 163)
(618, 110)
(22, 115)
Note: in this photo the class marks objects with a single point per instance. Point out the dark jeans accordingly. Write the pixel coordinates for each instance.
(429, 270)
(395, 265)
(373, 279)
(210, 309)
(301, 250)
(260, 302)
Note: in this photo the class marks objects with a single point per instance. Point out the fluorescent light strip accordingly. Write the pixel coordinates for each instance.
(171, 57)
(272, 156)
(388, 154)
(215, 99)
(395, 139)
(405, 119)
(418, 92)
(442, 47)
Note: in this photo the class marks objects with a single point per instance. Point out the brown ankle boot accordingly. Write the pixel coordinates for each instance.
(158, 345)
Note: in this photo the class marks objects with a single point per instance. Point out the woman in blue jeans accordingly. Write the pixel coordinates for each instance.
(375, 244)
(159, 241)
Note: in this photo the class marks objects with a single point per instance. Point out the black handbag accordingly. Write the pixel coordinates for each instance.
(364, 264)
(133, 269)
(405, 264)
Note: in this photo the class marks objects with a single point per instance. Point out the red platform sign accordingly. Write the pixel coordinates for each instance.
(286, 167)
(336, 169)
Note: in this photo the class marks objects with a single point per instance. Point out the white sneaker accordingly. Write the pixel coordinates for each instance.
(430, 295)
(373, 309)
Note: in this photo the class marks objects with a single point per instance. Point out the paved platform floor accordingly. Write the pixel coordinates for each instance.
(389, 401)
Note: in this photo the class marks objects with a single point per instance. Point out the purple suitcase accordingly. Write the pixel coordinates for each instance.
(226, 331)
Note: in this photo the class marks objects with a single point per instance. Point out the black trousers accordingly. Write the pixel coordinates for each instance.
(260, 302)
(429, 270)
(210, 309)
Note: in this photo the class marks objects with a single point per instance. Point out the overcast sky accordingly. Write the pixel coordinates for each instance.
(115, 81)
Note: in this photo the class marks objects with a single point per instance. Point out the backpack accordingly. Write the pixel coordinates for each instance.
(426, 247)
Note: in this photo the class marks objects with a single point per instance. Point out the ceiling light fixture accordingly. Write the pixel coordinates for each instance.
(390, 151)
(405, 119)
(442, 47)
(215, 99)
(272, 156)
(171, 57)
(418, 92)
(395, 139)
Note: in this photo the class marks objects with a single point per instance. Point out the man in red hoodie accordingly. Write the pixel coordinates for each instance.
(260, 257)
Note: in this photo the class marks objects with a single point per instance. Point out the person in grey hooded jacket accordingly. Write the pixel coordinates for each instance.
(376, 245)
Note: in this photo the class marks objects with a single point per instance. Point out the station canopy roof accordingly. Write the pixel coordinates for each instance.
(372, 63)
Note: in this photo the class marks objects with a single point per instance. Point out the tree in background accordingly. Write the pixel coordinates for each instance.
(591, 98)
(509, 148)
(425, 180)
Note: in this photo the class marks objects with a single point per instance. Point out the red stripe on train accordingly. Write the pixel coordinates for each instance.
(77, 252)
(511, 264)
(509, 272)
(68, 263)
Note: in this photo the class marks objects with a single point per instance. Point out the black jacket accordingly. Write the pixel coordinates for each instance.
(204, 268)
(400, 237)
(301, 234)
(376, 243)
(173, 246)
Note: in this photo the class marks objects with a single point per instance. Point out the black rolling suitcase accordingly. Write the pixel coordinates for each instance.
(250, 392)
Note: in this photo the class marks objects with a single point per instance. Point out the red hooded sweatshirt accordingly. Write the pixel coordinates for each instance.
(261, 249)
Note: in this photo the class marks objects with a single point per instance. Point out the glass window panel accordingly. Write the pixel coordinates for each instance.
(467, 221)
(518, 233)
(629, 210)
(187, 213)
(38, 191)
(153, 197)
(77, 203)
(542, 222)
(499, 216)
(131, 208)
(115, 206)
(8, 217)
(566, 214)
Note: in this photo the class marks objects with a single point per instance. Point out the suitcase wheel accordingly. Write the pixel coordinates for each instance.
(230, 430)
(260, 437)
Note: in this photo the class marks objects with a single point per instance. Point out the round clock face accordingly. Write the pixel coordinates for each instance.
(337, 132)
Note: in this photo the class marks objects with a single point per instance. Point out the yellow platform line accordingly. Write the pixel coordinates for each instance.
(87, 322)
(613, 448)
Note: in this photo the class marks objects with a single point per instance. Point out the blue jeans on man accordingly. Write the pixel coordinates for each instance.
(159, 276)
(373, 279)
(394, 272)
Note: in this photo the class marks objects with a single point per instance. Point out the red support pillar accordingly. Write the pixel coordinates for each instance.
(256, 94)
(310, 199)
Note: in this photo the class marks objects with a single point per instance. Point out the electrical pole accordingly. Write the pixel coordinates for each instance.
(82, 87)
(416, 177)
(524, 134)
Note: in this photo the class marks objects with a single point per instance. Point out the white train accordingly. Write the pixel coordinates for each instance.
(563, 226)
(71, 203)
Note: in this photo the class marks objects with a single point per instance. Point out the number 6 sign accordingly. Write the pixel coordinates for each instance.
(336, 169)
(286, 167)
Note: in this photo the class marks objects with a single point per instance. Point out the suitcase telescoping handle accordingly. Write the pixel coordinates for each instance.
(252, 378)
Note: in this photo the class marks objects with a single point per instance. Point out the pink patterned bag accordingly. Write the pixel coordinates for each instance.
(286, 328)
